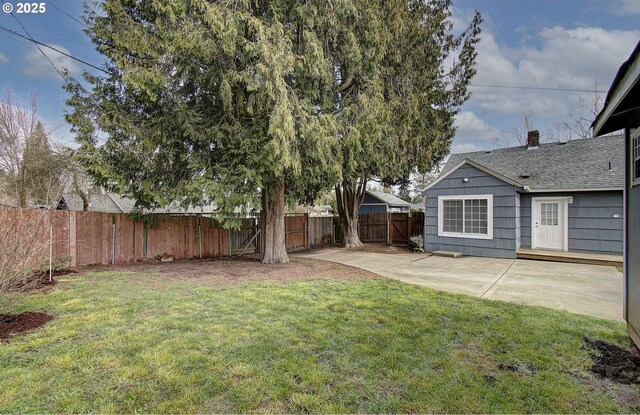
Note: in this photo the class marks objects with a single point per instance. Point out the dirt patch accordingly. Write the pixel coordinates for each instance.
(41, 279)
(229, 270)
(11, 324)
(613, 362)
(528, 370)
(224, 271)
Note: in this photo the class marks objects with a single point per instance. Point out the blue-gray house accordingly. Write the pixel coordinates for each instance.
(564, 196)
(622, 112)
(380, 202)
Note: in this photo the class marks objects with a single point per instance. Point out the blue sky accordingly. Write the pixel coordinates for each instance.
(566, 44)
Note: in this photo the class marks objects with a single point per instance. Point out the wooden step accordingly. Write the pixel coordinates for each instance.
(573, 257)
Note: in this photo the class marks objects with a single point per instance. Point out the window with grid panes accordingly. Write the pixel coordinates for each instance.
(465, 216)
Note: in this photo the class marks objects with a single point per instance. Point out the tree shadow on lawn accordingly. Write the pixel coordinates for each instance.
(224, 271)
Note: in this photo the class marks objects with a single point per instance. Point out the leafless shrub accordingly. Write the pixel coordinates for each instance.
(30, 167)
(24, 250)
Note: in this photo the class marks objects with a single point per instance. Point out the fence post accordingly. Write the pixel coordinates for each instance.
(113, 239)
(229, 239)
(145, 232)
(306, 230)
(73, 239)
(199, 238)
(50, 247)
(388, 232)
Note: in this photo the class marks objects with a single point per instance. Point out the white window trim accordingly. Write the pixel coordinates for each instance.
(635, 181)
(441, 231)
(565, 210)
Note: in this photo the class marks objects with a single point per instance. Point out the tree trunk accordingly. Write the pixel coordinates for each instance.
(85, 200)
(274, 249)
(349, 197)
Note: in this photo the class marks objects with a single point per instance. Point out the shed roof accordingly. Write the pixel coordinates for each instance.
(575, 165)
(98, 202)
(387, 198)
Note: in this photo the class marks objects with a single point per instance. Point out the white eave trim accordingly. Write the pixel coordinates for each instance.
(603, 189)
(382, 202)
(619, 94)
(477, 166)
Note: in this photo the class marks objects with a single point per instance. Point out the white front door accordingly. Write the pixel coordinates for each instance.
(549, 224)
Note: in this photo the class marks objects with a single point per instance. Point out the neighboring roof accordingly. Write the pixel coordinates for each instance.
(98, 202)
(575, 165)
(321, 208)
(175, 209)
(113, 203)
(623, 98)
(387, 198)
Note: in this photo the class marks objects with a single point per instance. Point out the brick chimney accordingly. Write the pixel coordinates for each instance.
(533, 139)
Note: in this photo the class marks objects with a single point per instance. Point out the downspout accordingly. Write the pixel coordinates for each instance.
(625, 219)
(424, 223)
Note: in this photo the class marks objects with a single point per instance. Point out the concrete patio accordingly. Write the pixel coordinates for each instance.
(585, 289)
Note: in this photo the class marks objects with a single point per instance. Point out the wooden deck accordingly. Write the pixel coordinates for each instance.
(564, 256)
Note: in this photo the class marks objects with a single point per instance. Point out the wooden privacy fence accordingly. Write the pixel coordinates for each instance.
(320, 231)
(92, 238)
(393, 228)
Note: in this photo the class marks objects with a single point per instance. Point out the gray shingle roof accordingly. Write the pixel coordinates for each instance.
(574, 165)
(98, 202)
(388, 198)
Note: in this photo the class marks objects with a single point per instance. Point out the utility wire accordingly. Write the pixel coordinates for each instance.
(38, 46)
(67, 14)
(38, 43)
(31, 39)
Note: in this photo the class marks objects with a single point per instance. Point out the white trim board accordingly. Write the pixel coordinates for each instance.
(477, 166)
(565, 210)
(442, 233)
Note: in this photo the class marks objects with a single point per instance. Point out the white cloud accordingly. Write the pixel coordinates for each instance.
(626, 7)
(473, 133)
(565, 58)
(471, 128)
(458, 148)
(35, 64)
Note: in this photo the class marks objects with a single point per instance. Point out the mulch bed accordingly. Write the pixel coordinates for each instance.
(613, 362)
(11, 324)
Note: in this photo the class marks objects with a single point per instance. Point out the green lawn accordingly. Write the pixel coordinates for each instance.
(144, 340)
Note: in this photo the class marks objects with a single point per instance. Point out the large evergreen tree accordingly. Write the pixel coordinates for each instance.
(209, 101)
(402, 76)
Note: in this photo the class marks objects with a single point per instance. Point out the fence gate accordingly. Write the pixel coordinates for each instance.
(373, 227)
(244, 240)
(296, 231)
(399, 232)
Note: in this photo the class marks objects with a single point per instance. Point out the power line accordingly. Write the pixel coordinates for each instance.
(67, 14)
(31, 39)
(37, 45)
